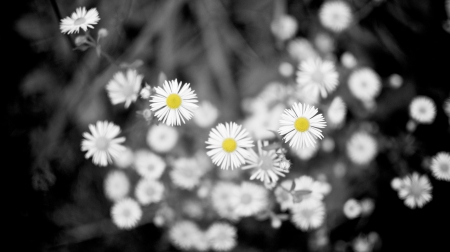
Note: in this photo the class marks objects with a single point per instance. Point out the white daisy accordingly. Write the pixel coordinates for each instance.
(308, 214)
(306, 153)
(162, 138)
(173, 102)
(266, 163)
(284, 27)
(440, 166)
(124, 87)
(283, 196)
(300, 125)
(301, 49)
(221, 236)
(148, 164)
(335, 15)
(149, 191)
(307, 183)
(361, 148)
(416, 190)
(80, 19)
(228, 145)
(252, 198)
(352, 208)
(126, 213)
(102, 143)
(116, 185)
(224, 200)
(348, 60)
(315, 75)
(422, 109)
(183, 234)
(124, 159)
(337, 111)
(364, 84)
(185, 173)
(206, 114)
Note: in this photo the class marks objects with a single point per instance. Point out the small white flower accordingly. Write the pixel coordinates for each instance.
(308, 214)
(124, 87)
(80, 19)
(315, 75)
(126, 213)
(348, 60)
(116, 185)
(352, 209)
(396, 183)
(337, 111)
(416, 190)
(145, 92)
(224, 200)
(307, 183)
(286, 69)
(206, 114)
(173, 103)
(252, 198)
(186, 173)
(440, 166)
(301, 49)
(422, 109)
(364, 84)
(221, 236)
(335, 15)
(124, 159)
(362, 148)
(324, 42)
(367, 206)
(149, 191)
(162, 138)
(148, 164)
(102, 143)
(362, 244)
(395, 80)
(284, 27)
(184, 234)
(228, 144)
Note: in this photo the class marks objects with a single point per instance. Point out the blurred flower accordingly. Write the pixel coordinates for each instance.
(335, 15)
(324, 42)
(228, 145)
(185, 173)
(184, 234)
(173, 102)
(306, 153)
(80, 40)
(149, 191)
(416, 190)
(116, 185)
(102, 143)
(308, 214)
(162, 138)
(336, 113)
(283, 196)
(193, 209)
(440, 166)
(102, 33)
(284, 27)
(148, 164)
(252, 198)
(352, 208)
(328, 145)
(80, 19)
(201, 242)
(206, 114)
(309, 184)
(266, 163)
(301, 49)
(315, 75)
(447, 106)
(362, 244)
(260, 124)
(422, 109)
(145, 92)
(124, 88)
(348, 60)
(125, 158)
(395, 80)
(396, 183)
(126, 213)
(221, 236)
(224, 200)
(163, 215)
(361, 148)
(364, 84)
(286, 69)
(300, 125)
(367, 206)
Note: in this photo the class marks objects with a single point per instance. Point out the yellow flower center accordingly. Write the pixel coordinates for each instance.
(301, 124)
(229, 145)
(79, 21)
(173, 101)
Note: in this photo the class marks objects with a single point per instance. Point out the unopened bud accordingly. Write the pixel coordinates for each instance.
(102, 33)
(145, 92)
(80, 40)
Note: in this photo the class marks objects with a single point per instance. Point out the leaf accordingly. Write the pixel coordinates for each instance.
(299, 195)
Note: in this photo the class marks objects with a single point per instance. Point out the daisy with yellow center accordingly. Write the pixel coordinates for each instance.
(300, 125)
(228, 143)
(173, 103)
(80, 19)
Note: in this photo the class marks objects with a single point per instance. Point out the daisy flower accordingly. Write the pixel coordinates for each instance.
(126, 213)
(352, 208)
(228, 145)
(364, 84)
(335, 15)
(224, 200)
(337, 111)
(173, 102)
(266, 163)
(440, 166)
(102, 143)
(361, 148)
(80, 19)
(148, 164)
(283, 196)
(422, 109)
(124, 87)
(149, 191)
(315, 75)
(300, 125)
(308, 214)
(284, 27)
(252, 198)
(184, 234)
(221, 236)
(416, 190)
(206, 114)
(162, 138)
(116, 185)
(186, 173)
